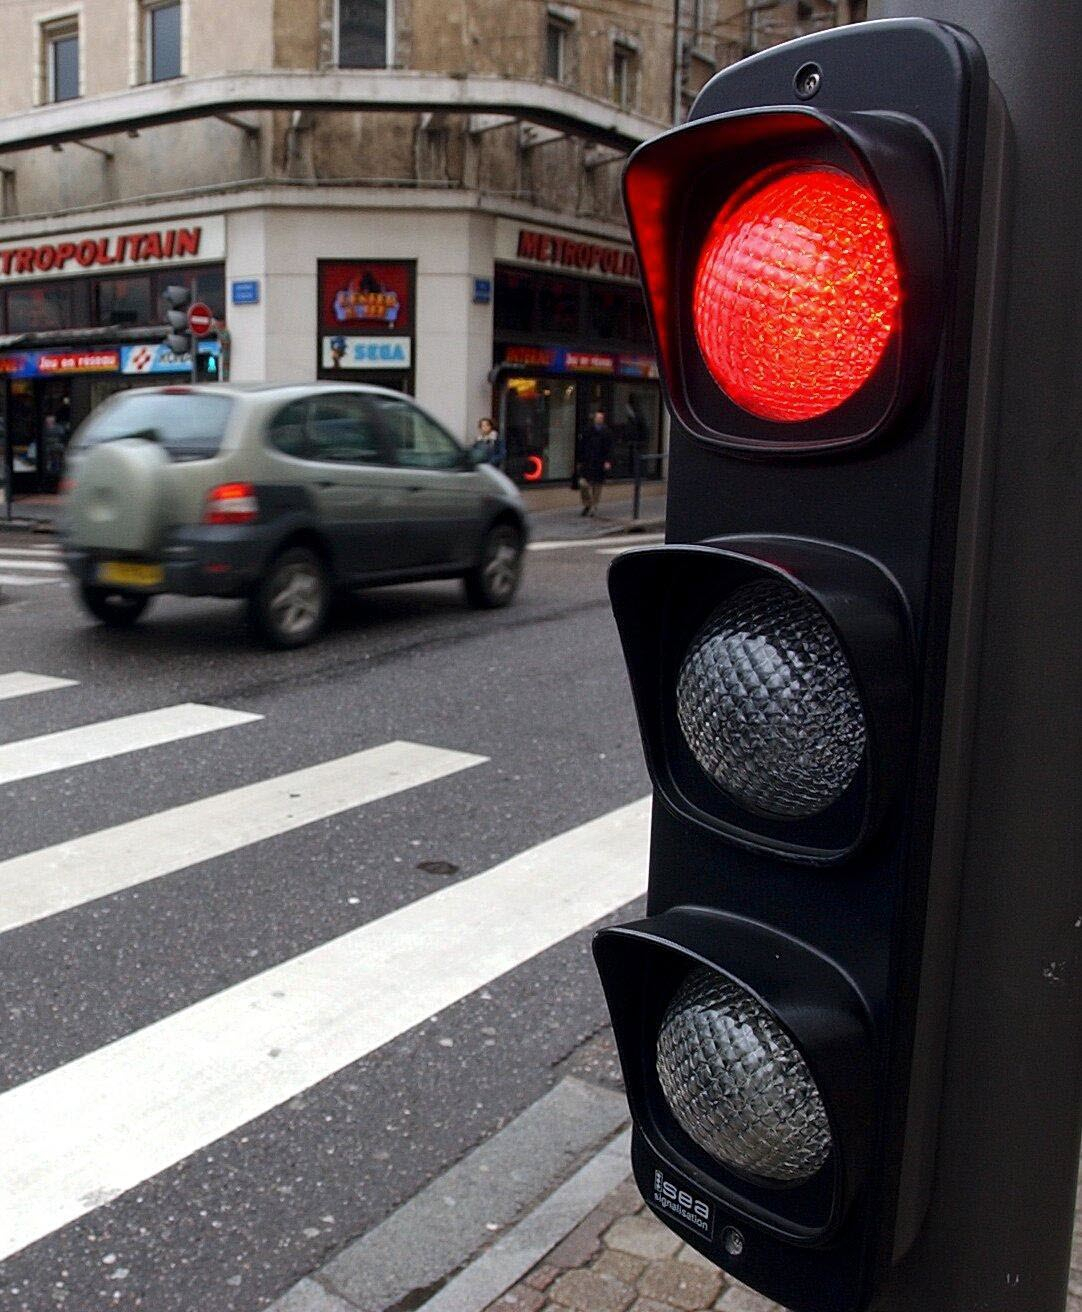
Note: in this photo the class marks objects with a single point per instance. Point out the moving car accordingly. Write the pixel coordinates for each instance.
(280, 495)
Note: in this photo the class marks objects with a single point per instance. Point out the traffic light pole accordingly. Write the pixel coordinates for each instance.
(998, 1233)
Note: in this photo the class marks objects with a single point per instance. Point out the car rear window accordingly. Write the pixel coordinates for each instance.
(190, 425)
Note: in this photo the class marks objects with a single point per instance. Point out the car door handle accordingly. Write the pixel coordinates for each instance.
(415, 488)
(326, 482)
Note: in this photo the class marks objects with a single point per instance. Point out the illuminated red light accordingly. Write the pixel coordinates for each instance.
(231, 503)
(533, 470)
(796, 293)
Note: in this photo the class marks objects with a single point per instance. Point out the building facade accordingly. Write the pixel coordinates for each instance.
(395, 191)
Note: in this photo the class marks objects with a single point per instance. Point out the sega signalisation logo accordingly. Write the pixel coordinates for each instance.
(366, 352)
(678, 1202)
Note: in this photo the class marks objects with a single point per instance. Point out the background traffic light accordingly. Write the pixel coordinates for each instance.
(177, 301)
(816, 248)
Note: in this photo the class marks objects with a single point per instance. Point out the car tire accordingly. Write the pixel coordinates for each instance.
(493, 582)
(289, 605)
(113, 606)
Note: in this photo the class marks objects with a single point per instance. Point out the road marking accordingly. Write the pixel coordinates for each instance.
(85, 1133)
(96, 742)
(21, 581)
(54, 879)
(29, 551)
(21, 684)
(47, 566)
(643, 538)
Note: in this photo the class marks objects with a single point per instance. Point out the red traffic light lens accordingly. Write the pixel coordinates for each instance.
(796, 293)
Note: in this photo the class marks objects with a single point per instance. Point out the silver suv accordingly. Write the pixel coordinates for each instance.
(280, 495)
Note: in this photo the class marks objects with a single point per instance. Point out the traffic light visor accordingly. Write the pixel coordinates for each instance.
(793, 264)
(796, 293)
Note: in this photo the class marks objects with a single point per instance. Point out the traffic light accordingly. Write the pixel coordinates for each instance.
(208, 366)
(177, 301)
(817, 247)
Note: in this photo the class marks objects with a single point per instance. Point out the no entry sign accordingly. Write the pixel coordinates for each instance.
(200, 319)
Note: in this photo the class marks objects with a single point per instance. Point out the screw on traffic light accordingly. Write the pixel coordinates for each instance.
(177, 302)
(814, 245)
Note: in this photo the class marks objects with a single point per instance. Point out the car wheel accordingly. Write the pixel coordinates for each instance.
(289, 605)
(495, 579)
(117, 609)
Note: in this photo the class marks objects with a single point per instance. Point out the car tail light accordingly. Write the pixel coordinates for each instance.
(796, 293)
(231, 503)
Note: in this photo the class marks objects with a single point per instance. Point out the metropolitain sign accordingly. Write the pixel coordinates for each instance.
(70, 254)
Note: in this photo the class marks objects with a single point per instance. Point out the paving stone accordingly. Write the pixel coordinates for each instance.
(738, 1298)
(644, 1236)
(625, 1200)
(694, 1258)
(581, 1244)
(542, 1276)
(586, 1291)
(648, 1305)
(680, 1285)
(624, 1266)
(520, 1299)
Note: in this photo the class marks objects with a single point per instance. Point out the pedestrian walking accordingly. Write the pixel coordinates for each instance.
(489, 446)
(595, 461)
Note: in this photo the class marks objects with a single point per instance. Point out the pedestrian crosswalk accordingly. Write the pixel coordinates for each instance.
(88, 1131)
(28, 567)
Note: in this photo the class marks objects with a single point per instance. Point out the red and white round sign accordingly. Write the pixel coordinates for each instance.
(200, 319)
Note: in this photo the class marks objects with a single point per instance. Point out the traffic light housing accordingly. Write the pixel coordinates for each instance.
(177, 300)
(817, 248)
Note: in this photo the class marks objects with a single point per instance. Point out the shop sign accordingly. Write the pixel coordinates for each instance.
(589, 362)
(558, 360)
(159, 359)
(366, 294)
(562, 251)
(114, 248)
(366, 352)
(49, 364)
(636, 366)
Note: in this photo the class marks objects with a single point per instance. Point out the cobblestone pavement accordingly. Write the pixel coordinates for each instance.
(622, 1259)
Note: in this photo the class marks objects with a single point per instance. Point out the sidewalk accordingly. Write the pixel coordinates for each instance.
(556, 512)
(542, 1217)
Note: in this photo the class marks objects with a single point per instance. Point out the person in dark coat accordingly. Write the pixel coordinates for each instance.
(595, 461)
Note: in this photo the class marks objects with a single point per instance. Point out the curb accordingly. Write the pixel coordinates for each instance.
(495, 1186)
(520, 1250)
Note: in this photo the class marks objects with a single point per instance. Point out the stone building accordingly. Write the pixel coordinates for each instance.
(418, 193)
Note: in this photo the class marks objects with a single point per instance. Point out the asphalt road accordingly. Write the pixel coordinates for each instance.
(91, 1219)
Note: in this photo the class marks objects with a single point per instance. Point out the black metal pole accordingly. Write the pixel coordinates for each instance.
(6, 454)
(636, 467)
(998, 1233)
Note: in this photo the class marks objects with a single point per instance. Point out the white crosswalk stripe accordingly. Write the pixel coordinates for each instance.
(31, 567)
(87, 1132)
(106, 738)
(55, 879)
(21, 684)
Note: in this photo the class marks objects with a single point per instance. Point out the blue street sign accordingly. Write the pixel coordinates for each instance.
(482, 291)
(246, 291)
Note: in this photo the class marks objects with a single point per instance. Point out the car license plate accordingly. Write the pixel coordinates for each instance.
(130, 574)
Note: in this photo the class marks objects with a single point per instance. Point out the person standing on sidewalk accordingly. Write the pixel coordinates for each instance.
(489, 445)
(595, 461)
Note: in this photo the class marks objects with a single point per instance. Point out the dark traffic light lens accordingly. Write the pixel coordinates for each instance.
(767, 703)
(737, 1085)
(796, 294)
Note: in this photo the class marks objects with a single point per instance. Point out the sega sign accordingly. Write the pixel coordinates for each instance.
(366, 352)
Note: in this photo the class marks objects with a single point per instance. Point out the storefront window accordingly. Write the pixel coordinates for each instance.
(124, 301)
(539, 419)
(46, 306)
(582, 311)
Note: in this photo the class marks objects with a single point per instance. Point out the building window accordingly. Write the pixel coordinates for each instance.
(624, 72)
(161, 41)
(557, 49)
(60, 46)
(364, 33)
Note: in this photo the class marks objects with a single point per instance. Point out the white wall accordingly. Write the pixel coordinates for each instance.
(277, 339)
